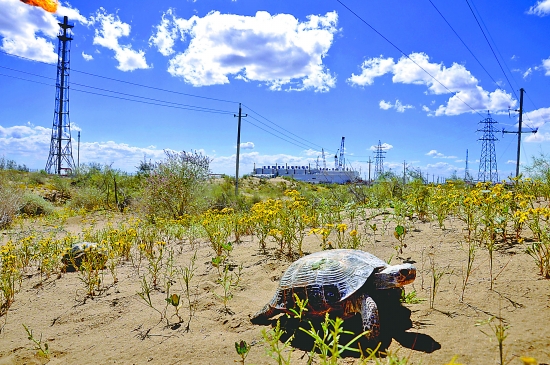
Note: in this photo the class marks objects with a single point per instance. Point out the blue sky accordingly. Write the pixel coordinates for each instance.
(306, 72)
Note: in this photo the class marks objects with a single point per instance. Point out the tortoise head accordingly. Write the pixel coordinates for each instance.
(395, 276)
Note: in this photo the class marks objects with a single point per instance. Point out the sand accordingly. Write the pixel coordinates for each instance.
(117, 327)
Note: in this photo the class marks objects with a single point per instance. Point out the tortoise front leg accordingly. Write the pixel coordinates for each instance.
(370, 318)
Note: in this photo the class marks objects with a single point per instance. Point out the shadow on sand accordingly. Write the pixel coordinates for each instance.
(395, 320)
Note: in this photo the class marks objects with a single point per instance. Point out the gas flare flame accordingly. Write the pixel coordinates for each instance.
(48, 5)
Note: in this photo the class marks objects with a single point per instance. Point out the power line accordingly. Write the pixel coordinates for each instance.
(149, 103)
(409, 58)
(153, 87)
(198, 108)
(157, 102)
(464, 43)
(491, 47)
(278, 126)
(125, 82)
(273, 134)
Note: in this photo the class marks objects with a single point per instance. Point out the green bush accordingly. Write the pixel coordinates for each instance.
(87, 197)
(10, 201)
(34, 205)
(38, 178)
(176, 186)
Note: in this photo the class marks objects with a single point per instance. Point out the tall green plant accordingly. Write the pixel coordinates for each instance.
(176, 185)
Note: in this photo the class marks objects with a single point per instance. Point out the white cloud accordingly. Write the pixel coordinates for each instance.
(276, 49)
(541, 8)
(30, 144)
(247, 145)
(30, 31)
(511, 162)
(111, 28)
(527, 73)
(72, 13)
(398, 106)
(371, 69)
(537, 118)
(167, 33)
(435, 154)
(385, 105)
(546, 66)
(537, 137)
(455, 79)
(385, 147)
(87, 57)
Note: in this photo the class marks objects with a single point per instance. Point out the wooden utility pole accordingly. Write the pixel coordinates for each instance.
(238, 149)
(370, 162)
(404, 171)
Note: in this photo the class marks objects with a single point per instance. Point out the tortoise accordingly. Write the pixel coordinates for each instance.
(336, 281)
(73, 258)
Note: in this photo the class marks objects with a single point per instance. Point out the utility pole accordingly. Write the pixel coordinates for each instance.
(519, 131)
(78, 153)
(404, 170)
(238, 149)
(370, 162)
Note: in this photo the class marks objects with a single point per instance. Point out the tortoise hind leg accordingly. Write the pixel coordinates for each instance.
(370, 317)
(269, 310)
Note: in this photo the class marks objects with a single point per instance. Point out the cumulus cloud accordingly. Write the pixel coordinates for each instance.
(278, 50)
(546, 66)
(385, 147)
(247, 145)
(541, 8)
(29, 143)
(435, 154)
(385, 105)
(537, 118)
(398, 106)
(370, 69)
(87, 57)
(111, 28)
(456, 79)
(30, 31)
(537, 137)
(226, 164)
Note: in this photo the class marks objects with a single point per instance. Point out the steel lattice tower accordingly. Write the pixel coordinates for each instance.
(341, 160)
(379, 161)
(61, 153)
(488, 161)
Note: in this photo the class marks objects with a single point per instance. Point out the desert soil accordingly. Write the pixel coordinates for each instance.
(117, 327)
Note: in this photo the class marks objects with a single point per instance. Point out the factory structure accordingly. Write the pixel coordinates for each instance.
(320, 174)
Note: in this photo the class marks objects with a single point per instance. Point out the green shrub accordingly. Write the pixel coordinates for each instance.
(87, 197)
(38, 178)
(34, 205)
(176, 186)
(10, 200)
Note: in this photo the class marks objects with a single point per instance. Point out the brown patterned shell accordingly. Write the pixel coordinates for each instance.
(331, 276)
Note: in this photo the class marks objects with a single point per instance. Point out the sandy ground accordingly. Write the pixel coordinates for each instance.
(117, 327)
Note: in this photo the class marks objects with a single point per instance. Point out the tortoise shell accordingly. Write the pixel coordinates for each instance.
(327, 279)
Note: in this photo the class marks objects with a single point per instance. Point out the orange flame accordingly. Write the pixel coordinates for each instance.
(48, 5)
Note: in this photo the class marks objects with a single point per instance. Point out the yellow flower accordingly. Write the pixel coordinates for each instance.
(528, 360)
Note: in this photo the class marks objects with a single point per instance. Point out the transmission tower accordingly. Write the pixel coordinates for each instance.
(341, 160)
(488, 161)
(61, 159)
(379, 161)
